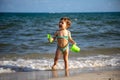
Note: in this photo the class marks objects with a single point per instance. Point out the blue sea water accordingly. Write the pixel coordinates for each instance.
(26, 32)
(22, 35)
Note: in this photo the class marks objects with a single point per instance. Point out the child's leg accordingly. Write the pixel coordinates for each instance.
(66, 72)
(65, 57)
(57, 56)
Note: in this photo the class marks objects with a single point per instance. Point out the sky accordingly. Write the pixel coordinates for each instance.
(59, 5)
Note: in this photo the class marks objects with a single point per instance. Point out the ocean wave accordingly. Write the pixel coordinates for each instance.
(25, 65)
(26, 32)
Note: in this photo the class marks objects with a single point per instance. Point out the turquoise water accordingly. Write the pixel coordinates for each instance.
(22, 33)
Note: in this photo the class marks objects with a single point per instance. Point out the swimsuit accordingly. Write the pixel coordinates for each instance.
(64, 48)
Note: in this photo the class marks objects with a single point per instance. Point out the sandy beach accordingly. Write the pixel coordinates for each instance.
(100, 75)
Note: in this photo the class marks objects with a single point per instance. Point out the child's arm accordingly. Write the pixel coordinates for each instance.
(70, 38)
(54, 37)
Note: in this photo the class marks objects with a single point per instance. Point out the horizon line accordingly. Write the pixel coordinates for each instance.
(67, 12)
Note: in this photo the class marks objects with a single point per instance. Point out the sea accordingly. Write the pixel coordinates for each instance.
(24, 46)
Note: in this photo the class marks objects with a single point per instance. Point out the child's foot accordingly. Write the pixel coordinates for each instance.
(66, 72)
(67, 69)
(54, 67)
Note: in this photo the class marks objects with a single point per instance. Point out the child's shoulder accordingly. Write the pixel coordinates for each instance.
(68, 31)
(57, 31)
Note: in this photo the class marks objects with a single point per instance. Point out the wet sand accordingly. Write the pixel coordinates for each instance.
(100, 75)
(63, 75)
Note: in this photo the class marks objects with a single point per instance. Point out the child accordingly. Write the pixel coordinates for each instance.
(63, 37)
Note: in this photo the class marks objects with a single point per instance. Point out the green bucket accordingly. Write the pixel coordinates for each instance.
(49, 38)
(75, 48)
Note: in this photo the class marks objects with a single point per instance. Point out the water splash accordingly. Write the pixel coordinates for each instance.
(45, 64)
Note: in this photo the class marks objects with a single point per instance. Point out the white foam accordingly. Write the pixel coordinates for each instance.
(8, 70)
(45, 64)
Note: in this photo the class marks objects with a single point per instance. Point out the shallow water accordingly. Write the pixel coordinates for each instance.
(23, 33)
(46, 75)
(28, 65)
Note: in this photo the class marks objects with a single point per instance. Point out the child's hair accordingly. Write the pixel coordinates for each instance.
(67, 20)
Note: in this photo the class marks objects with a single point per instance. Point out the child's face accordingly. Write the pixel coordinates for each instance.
(62, 25)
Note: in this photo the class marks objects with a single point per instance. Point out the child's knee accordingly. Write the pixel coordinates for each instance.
(65, 59)
(56, 58)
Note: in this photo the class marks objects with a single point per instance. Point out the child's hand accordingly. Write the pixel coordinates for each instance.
(74, 43)
(50, 40)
